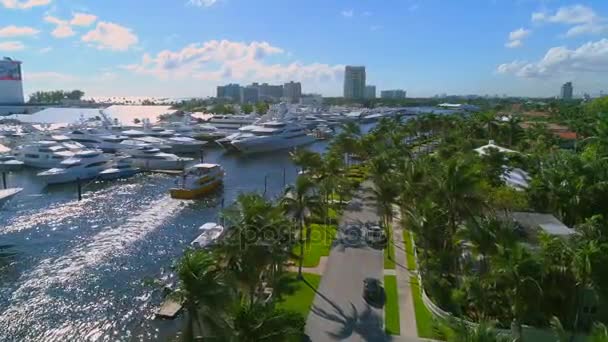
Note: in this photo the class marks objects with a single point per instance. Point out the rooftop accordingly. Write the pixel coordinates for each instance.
(546, 222)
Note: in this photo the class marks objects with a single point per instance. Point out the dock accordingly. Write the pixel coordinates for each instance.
(169, 309)
(168, 172)
(6, 194)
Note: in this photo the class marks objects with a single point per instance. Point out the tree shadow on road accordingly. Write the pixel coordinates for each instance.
(367, 324)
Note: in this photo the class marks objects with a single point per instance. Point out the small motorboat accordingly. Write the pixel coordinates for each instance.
(198, 181)
(211, 231)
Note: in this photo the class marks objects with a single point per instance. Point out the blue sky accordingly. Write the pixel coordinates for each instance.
(182, 48)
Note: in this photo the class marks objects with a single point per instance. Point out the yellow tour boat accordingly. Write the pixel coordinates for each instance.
(198, 181)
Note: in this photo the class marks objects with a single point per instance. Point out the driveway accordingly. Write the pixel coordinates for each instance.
(339, 312)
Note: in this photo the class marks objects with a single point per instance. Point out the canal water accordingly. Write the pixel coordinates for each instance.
(83, 268)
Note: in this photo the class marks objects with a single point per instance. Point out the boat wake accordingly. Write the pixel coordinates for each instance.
(50, 292)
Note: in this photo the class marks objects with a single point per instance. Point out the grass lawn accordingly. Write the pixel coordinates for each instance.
(301, 296)
(424, 318)
(409, 251)
(321, 238)
(389, 252)
(391, 308)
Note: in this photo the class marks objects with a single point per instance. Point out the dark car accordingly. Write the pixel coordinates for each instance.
(372, 291)
(375, 236)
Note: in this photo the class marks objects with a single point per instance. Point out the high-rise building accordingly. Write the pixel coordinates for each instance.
(354, 82)
(370, 92)
(11, 86)
(567, 91)
(229, 91)
(292, 91)
(393, 94)
(268, 92)
(249, 94)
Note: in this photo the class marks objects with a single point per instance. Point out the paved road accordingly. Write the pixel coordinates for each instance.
(339, 312)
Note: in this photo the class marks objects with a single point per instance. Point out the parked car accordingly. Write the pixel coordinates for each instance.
(373, 292)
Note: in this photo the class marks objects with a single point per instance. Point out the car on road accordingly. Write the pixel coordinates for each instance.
(375, 236)
(373, 292)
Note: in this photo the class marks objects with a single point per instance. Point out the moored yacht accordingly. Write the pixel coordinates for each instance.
(43, 154)
(83, 165)
(232, 122)
(151, 158)
(273, 135)
(120, 168)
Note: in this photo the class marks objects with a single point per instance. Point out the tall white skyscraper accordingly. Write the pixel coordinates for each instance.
(354, 82)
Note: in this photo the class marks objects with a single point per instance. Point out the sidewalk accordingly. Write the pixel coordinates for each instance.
(407, 315)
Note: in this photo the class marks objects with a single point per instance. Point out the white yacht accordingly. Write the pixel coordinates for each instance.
(151, 158)
(43, 154)
(185, 144)
(87, 136)
(273, 135)
(208, 132)
(243, 132)
(120, 168)
(83, 165)
(232, 122)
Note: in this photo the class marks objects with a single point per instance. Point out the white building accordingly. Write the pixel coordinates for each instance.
(11, 84)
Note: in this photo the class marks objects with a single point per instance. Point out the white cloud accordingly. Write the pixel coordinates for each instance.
(584, 20)
(46, 49)
(513, 43)
(11, 46)
(83, 19)
(63, 28)
(20, 4)
(348, 13)
(63, 31)
(590, 57)
(202, 3)
(227, 60)
(17, 31)
(519, 34)
(110, 36)
(516, 37)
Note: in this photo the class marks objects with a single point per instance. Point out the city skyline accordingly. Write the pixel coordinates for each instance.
(463, 48)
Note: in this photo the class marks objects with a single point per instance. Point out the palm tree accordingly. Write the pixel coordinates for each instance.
(307, 160)
(257, 243)
(482, 332)
(202, 290)
(265, 323)
(518, 271)
(458, 191)
(299, 201)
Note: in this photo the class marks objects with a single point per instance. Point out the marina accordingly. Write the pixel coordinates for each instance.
(83, 268)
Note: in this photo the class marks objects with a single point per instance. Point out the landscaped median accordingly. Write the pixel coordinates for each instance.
(300, 294)
(391, 307)
(321, 239)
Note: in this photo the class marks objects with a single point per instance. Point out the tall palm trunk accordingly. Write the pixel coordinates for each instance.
(301, 224)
